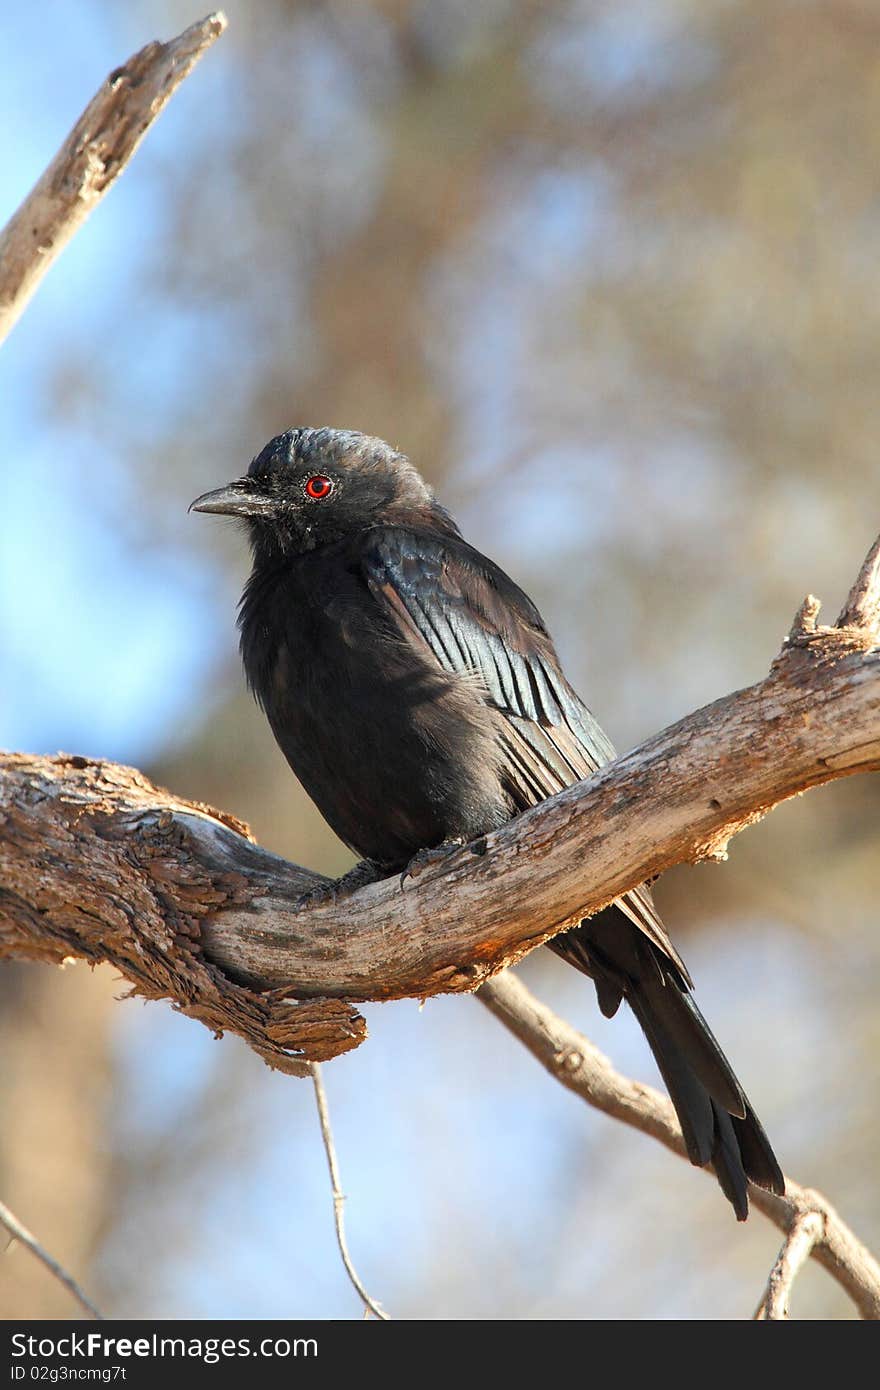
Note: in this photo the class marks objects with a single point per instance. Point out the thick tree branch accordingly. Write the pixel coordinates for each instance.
(94, 154)
(99, 863)
(579, 1066)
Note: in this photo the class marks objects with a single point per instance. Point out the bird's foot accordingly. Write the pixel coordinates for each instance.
(428, 857)
(329, 894)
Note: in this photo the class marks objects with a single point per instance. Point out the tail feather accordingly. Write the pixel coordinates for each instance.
(758, 1158)
(693, 1104)
(727, 1160)
(692, 1034)
(717, 1121)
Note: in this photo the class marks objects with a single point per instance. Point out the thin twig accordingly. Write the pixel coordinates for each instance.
(25, 1237)
(370, 1304)
(797, 1247)
(92, 157)
(579, 1066)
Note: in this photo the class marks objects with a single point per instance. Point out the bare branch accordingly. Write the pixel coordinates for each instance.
(803, 1233)
(92, 157)
(579, 1066)
(370, 1304)
(111, 875)
(99, 863)
(20, 1233)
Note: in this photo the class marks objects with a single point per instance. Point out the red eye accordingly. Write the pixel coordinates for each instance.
(319, 487)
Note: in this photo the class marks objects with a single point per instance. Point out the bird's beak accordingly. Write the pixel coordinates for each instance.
(234, 500)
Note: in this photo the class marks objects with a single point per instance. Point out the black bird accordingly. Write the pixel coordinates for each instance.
(416, 693)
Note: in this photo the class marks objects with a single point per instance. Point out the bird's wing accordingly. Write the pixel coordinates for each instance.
(442, 594)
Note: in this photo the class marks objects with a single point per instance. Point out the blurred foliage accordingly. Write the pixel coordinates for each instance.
(606, 272)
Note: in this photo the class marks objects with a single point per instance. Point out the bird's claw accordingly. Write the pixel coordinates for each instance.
(331, 891)
(322, 895)
(426, 858)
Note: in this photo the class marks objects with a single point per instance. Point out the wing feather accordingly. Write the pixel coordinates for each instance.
(476, 622)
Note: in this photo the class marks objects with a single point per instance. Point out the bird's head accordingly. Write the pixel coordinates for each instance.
(308, 488)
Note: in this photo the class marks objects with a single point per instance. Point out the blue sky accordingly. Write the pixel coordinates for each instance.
(105, 633)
